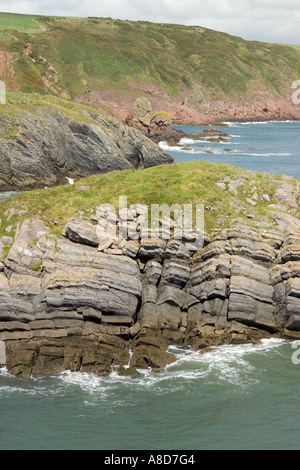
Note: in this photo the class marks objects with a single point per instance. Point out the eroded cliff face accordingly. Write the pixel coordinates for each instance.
(86, 304)
(46, 146)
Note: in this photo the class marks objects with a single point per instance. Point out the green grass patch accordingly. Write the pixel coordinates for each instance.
(17, 103)
(111, 54)
(38, 267)
(21, 23)
(182, 183)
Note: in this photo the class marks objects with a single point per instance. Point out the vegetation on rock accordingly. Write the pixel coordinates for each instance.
(225, 191)
(83, 57)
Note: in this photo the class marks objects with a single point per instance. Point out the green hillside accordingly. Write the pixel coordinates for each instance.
(20, 23)
(77, 56)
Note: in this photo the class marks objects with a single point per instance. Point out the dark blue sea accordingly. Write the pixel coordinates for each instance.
(239, 397)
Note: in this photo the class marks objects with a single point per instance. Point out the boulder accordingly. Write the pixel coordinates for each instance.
(176, 273)
(293, 323)
(150, 350)
(83, 232)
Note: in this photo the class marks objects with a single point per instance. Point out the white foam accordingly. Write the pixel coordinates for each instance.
(186, 141)
(247, 123)
(255, 123)
(266, 154)
(86, 381)
(196, 150)
(227, 363)
(166, 147)
(206, 140)
(129, 360)
(231, 124)
(265, 122)
(4, 372)
(232, 364)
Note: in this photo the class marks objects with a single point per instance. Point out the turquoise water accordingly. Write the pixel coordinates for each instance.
(234, 397)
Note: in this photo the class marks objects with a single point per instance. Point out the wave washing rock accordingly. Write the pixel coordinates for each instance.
(89, 304)
(45, 147)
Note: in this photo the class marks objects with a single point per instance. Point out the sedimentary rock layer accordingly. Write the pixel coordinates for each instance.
(82, 303)
(46, 147)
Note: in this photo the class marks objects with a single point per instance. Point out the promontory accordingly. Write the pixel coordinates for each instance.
(73, 298)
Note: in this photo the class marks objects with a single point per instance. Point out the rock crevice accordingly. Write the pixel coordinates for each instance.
(67, 303)
(45, 149)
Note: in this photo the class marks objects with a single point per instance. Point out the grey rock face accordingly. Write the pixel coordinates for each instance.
(49, 149)
(73, 283)
(68, 289)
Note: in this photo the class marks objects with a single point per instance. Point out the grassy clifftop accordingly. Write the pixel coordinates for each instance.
(17, 103)
(77, 56)
(228, 194)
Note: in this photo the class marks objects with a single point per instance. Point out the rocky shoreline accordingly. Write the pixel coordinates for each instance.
(83, 303)
(157, 125)
(48, 147)
(92, 300)
(213, 113)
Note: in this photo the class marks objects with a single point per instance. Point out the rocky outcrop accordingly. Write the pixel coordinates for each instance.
(45, 147)
(187, 111)
(266, 108)
(97, 301)
(156, 125)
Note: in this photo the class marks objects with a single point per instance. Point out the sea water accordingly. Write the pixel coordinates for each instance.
(6, 195)
(231, 398)
(273, 147)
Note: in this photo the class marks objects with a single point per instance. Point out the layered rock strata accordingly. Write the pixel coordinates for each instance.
(88, 303)
(47, 147)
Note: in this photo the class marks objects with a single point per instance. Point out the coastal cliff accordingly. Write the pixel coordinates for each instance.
(46, 141)
(74, 299)
(196, 74)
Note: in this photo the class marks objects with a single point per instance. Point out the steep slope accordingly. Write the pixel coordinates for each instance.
(46, 140)
(193, 72)
(75, 297)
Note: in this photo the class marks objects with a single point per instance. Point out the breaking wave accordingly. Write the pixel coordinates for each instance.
(270, 154)
(229, 363)
(255, 123)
